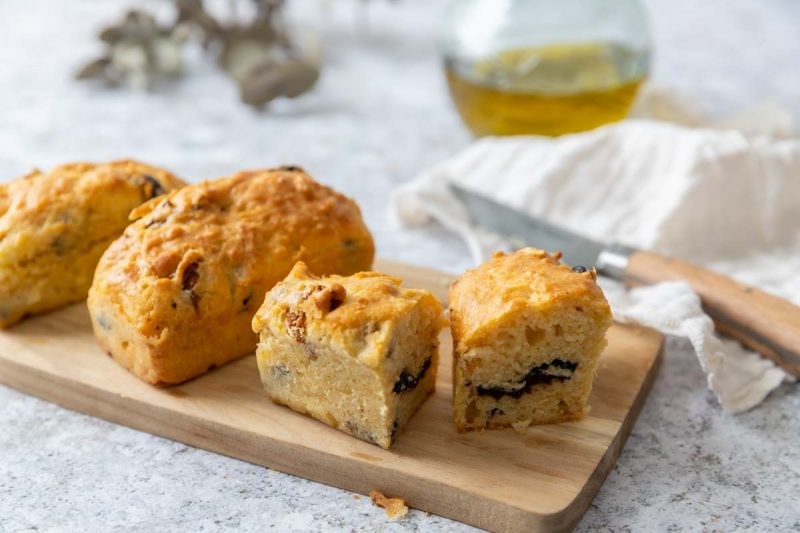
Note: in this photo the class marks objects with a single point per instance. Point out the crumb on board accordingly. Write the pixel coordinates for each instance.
(395, 507)
(521, 427)
(356, 497)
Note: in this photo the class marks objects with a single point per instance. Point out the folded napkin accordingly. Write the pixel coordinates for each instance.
(721, 198)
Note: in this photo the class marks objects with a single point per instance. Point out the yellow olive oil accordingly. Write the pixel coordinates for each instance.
(548, 90)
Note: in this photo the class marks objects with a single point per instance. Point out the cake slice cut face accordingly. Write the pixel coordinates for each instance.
(527, 335)
(359, 352)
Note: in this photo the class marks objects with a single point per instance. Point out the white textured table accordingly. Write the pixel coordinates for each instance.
(379, 115)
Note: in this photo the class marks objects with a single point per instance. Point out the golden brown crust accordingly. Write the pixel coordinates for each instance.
(190, 272)
(529, 277)
(363, 301)
(55, 225)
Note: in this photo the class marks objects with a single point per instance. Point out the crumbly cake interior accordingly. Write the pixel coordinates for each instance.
(527, 335)
(363, 367)
(537, 370)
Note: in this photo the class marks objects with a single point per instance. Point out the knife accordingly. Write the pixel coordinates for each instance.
(765, 323)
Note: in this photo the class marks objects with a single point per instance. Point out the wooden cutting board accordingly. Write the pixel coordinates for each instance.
(497, 480)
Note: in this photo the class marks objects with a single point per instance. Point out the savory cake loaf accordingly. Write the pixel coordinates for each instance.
(359, 353)
(527, 334)
(55, 225)
(175, 295)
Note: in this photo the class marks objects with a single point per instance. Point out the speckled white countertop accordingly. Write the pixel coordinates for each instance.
(379, 115)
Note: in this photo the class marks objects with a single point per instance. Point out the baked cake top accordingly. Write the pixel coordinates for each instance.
(220, 244)
(40, 210)
(484, 297)
(359, 313)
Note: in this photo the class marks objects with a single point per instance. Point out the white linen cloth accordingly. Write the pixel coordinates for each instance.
(721, 198)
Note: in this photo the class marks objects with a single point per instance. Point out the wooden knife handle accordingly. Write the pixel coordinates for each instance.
(762, 322)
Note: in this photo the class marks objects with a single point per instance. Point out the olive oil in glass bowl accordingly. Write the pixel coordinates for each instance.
(544, 67)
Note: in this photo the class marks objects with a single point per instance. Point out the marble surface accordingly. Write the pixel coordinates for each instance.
(379, 115)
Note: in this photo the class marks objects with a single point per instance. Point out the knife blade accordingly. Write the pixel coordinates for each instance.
(608, 258)
(761, 321)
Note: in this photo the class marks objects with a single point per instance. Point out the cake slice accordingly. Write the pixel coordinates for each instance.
(527, 335)
(359, 353)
